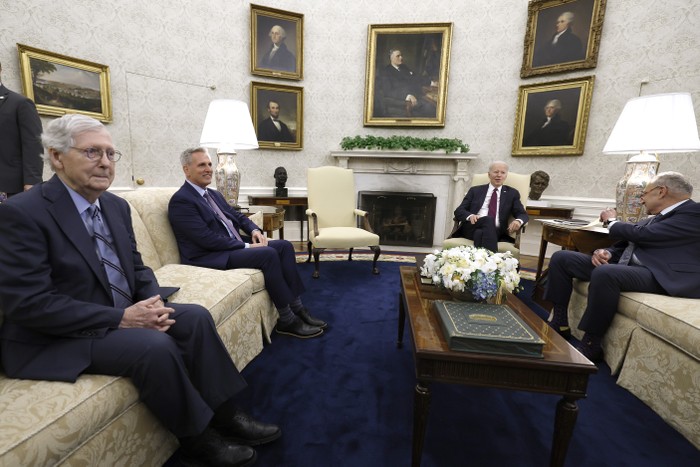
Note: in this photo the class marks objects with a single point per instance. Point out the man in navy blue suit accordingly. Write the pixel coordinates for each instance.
(484, 219)
(66, 313)
(658, 255)
(20, 143)
(207, 233)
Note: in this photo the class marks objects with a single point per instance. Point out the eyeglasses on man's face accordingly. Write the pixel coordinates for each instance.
(644, 193)
(97, 153)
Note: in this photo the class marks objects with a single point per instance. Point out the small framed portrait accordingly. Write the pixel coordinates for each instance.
(278, 115)
(406, 79)
(552, 118)
(276, 43)
(59, 84)
(562, 35)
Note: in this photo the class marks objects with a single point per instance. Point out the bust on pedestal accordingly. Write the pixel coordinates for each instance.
(539, 181)
(280, 181)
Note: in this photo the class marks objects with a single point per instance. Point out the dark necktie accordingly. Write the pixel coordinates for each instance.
(628, 256)
(493, 204)
(233, 232)
(121, 294)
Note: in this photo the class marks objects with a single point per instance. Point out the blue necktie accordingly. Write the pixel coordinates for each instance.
(121, 294)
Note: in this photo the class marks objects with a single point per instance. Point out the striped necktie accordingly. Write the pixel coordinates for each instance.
(121, 294)
(233, 231)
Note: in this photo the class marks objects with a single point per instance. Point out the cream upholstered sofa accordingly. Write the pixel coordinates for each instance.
(654, 345)
(99, 420)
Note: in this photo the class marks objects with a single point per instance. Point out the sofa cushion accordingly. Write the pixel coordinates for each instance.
(43, 421)
(673, 319)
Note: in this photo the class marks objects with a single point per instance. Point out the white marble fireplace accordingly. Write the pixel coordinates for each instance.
(444, 175)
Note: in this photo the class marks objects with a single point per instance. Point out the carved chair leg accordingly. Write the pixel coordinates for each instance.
(377, 251)
(317, 255)
(350, 254)
(308, 247)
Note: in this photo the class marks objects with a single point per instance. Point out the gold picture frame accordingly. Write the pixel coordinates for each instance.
(272, 53)
(289, 112)
(59, 84)
(412, 93)
(562, 35)
(552, 118)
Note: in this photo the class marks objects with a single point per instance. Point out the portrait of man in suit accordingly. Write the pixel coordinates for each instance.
(562, 33)
(277, 115)
(551, 118)
(277, 42)
(273, 128)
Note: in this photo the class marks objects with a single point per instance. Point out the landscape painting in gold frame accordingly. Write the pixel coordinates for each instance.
(59, 84)
(562, 35)
(407, 71)
(552, 118)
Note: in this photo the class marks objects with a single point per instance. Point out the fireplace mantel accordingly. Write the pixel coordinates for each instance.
(401, 166)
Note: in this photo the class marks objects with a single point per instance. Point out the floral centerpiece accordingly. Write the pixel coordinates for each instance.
(478, 271)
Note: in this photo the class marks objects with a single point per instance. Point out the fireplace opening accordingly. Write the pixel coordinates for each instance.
(399, 218)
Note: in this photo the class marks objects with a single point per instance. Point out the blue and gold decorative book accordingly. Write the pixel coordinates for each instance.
(483, 328)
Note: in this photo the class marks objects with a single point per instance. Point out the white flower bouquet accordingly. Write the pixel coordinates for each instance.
(477, 270)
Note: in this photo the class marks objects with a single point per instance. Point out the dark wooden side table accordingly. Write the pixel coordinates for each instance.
(569, 238)
(273, 219)
(300, 201)
(547, 211)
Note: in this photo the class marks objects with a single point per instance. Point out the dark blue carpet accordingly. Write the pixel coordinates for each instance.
(346, 398)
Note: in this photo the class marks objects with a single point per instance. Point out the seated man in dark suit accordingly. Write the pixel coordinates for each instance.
(658, 255)
(206, 230)
(485, 210)
(77, 299)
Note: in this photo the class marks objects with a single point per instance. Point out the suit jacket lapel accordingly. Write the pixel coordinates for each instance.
(63, 211)
(4, 95)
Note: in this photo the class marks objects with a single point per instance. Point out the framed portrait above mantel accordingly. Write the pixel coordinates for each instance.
(407, 71)
(276, 43)
(552, 118)
(59, 84)
(562, 35)
(278, 115)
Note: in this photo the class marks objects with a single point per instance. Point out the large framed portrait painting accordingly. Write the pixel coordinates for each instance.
(278, 115)
(562, 35)
(406, 80)
(552, 118)
(277, 43)
(59, 84)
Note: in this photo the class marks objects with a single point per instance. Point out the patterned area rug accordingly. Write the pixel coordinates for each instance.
(392, 257)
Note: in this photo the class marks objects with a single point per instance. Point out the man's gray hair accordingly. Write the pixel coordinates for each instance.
(556, 103)
(60, 134)
(498, 162)
(676, 183)
(568, 17)
(186, 156)
(283, 33)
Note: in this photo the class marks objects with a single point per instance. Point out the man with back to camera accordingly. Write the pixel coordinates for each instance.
(206, 229)
(659, 255)
(21, 165)
(77, 298)
(485, 210)
(272, 128)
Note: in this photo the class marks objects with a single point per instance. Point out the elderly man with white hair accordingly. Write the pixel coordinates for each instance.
(278, 56)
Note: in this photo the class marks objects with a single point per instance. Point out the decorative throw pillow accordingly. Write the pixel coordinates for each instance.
(256, 219)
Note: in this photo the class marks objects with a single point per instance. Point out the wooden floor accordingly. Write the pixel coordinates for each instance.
(528, 262)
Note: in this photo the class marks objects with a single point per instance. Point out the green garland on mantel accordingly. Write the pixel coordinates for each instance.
(405, 143)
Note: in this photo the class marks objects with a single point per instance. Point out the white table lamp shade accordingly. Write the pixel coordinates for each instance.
(228, 126)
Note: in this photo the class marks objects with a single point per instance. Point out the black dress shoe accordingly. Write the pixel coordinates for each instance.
(210, 449)
(310, 320)
(298, 328)
(242, 428)
(591, 348)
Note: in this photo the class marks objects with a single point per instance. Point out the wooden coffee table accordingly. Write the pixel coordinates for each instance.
(563, 370)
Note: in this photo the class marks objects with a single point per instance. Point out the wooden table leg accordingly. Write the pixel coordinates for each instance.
(402, 321)
(540, 259)
(564, 421)
(421, 404)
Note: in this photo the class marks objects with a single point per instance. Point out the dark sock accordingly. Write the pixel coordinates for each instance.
(560, 318)
(286, 315)
(296, 305)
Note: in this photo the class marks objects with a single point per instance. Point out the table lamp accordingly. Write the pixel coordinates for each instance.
(648, 125)
(228, 127)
